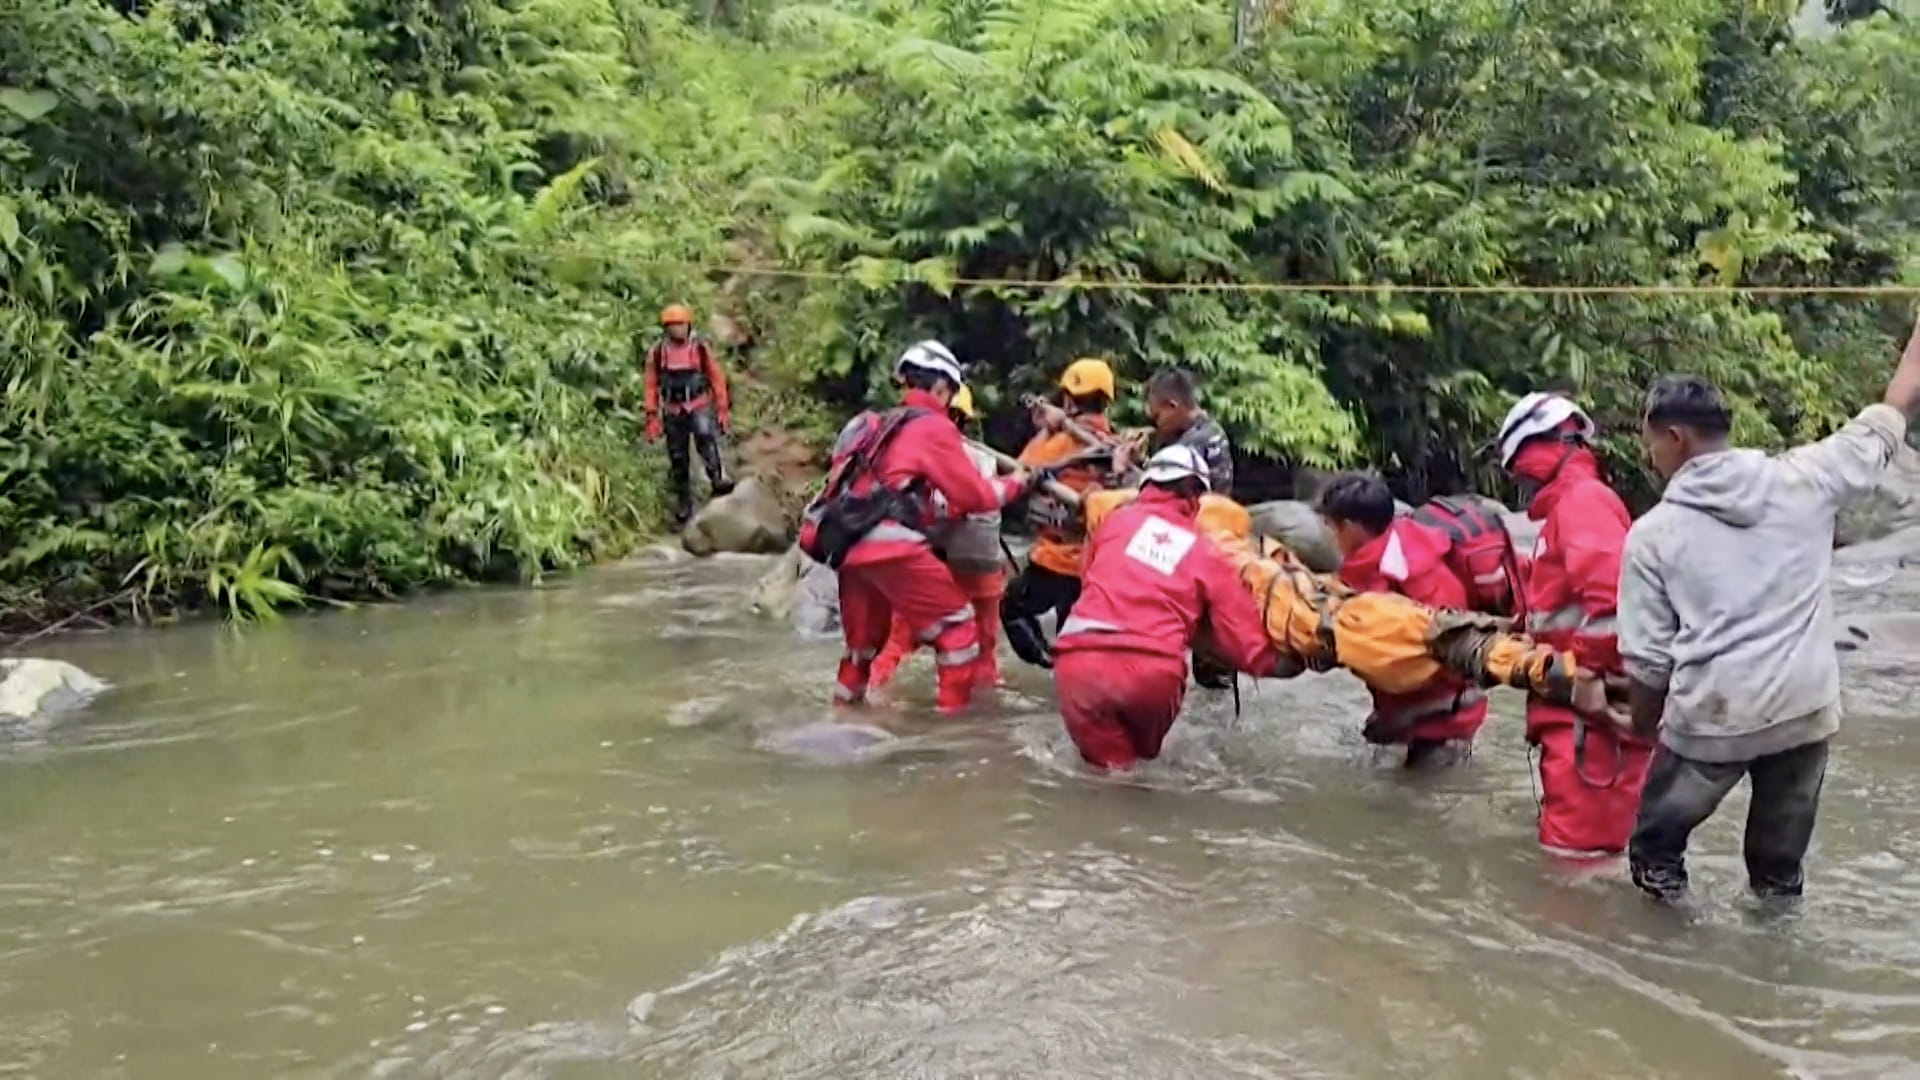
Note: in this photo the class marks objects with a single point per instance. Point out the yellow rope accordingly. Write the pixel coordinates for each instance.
(1071, 282)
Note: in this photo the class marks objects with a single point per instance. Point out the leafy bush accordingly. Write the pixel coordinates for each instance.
(321, 300)
(1371, 145)
(340, 298)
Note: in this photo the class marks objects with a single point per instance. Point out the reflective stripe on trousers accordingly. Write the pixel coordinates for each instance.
(954, 657)
(950, 619)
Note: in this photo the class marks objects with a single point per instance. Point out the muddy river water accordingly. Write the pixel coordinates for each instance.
(569, 832)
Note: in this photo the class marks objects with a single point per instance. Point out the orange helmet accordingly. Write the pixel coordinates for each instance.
(676, 313)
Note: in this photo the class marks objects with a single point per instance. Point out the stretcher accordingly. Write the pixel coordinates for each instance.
(1393, 644)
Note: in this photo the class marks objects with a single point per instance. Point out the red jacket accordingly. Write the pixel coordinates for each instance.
(691, 366)
(1149, 579)
(1410, 559)
(1573, 582)
(927, 451)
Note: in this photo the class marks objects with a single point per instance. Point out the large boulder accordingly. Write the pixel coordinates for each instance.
(1892, 505)
(772, 596)
(35, 693)
(1299, 527)
(800, 590)
(747, 521)
(1901, 548)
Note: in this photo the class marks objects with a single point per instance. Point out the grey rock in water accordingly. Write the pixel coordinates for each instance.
(749, 520)
(833, 743)
(38, 692)
(1897, 549)
(1892, 506)
(800, 590)
(659, 554)
(1299, 527)
(773, 594)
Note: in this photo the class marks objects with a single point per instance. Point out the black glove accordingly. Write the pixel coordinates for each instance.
(1029, 642)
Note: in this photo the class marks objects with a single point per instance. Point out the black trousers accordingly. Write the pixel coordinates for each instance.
(1033, 592)
(1681, 793)
(685, 431)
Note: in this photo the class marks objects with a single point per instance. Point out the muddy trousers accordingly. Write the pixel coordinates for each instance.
(984, 592)
(920, 590)
(1035, 591)
(1589, 786)
(1682, 793)
(1118, 704)
(686, 431)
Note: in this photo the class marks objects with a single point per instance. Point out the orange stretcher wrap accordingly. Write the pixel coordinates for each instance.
(1392, 643)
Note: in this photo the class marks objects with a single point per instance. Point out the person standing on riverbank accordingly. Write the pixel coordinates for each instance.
(870, 522)
(1051, 579)
(1591, 774)
(686, 401)
(1726, 624)
(1385, 553)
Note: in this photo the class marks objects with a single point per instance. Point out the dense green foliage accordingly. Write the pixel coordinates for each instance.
(331, 298)
(315, 298)
(1470, 142)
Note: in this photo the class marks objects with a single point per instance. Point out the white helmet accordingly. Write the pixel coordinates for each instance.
(1538, 414)
(930, 355)
(1176, 463)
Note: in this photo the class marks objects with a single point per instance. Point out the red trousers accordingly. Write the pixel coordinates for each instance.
(1118, 704)
(984, 591)
(1587, 801)
(919, 589)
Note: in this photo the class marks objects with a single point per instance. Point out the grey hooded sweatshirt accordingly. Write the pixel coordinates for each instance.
(1723, 592)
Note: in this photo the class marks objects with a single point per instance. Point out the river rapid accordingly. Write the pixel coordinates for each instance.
(584, 830)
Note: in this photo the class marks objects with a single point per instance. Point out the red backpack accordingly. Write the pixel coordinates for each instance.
(1482, 554)
(839, 517)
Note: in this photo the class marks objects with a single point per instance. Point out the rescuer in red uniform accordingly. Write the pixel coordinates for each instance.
(871, 523)
(1591, 775)
(1148, 580)
(1384, 553)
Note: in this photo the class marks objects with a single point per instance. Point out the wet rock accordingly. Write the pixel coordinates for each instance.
(800, 590)
(1896, 549)
(1892, 506)
(38, 692)
(660, 554)
(747, 521)
(773, 594)
(1299, 527)
(832, 743)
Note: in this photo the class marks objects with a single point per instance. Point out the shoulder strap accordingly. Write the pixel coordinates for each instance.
(865, 451)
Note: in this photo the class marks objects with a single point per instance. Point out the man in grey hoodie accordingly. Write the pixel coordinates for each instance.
(1726, 623)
